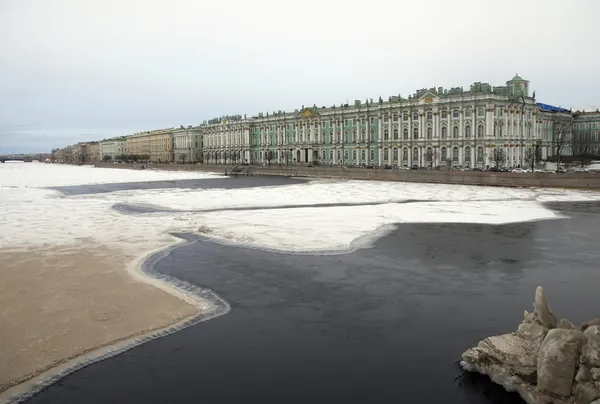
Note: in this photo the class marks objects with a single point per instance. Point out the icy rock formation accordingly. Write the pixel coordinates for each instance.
(546, 361)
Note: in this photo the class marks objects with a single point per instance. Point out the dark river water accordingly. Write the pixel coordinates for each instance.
(385, 324)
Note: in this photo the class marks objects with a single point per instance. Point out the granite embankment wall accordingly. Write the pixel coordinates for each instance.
(567, 180)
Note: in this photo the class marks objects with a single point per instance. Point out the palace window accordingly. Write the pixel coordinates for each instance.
(444, 132)
(395, 117)
(429, 132)
(468, 132)
(405, 117)
(353, 154)
(386, 134)
(372, 120)
(455, 132)
(444, 114)
(395, 154)
(415, 133)
(444, 154)
(386, 154)
(480, 111)
(363, 155)
(467, 153)
(395, 133)
(480, 153)
(405, 134)
(415, 116)
(385, 118)
(405, 154)
(429, 116)
(345, 154)
(372, 155)
(455, 113)
(415, 155)
(455, 154)
(480, 131)
(467, 112)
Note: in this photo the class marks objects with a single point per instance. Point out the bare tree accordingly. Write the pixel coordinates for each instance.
(562, 133)
(498, 157)
(269, 155)
(431, 157)
(581, 147)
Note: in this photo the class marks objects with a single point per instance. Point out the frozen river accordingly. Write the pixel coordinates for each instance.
(341, 291)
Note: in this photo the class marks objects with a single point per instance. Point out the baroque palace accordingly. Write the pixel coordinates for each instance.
(433, 127)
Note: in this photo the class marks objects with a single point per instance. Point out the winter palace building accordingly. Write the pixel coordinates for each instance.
(430, 128)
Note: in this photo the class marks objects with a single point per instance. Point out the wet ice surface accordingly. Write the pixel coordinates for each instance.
(217, 182)
(380, 325)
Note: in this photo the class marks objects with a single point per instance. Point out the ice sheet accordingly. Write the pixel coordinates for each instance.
(31, 216)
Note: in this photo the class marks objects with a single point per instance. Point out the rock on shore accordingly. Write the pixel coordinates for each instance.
(546, 361)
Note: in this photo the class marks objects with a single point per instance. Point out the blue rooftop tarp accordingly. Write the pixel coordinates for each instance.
(551, 108)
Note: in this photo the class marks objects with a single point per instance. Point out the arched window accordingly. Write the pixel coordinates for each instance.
(455, 153)
(386, 134)
(353, 154)
(405, 154)
(444, 132)
(363, 155)
(405, 133)
(415, 133)
(323, 154)
(500, 131)
(345, 154)
(395, 133)
(429, 132)
(455, 132)
(429, 115)
(415, 155)
(444, 154)
(372, 155)
(395, 154)
(480, 131)
(468, 132)
(338, 156)
(480, 153)
(467, 153)
(386, 154)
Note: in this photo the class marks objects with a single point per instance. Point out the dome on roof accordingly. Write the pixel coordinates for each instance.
(517, 78)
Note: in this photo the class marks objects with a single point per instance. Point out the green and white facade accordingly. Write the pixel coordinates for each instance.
(433, 127)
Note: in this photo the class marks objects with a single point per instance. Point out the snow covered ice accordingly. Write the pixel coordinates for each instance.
(32, 215)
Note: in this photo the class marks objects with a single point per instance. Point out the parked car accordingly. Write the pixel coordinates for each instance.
(414, 167)
(387, 167)
(581, 170)
(561, 170)
(519, 170)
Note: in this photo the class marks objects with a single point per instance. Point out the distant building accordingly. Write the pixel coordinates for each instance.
(155, 146)
(188, 145)
(114, 149)
(92, 153)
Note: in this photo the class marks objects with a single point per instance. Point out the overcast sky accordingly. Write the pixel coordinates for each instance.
(75, 70)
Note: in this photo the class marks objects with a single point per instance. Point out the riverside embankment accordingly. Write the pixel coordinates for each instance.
(547, 180)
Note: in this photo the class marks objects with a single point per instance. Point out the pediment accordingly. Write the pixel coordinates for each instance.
(428, 98)
(307, 113)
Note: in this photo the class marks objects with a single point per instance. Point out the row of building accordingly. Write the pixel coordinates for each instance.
(432, 127)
